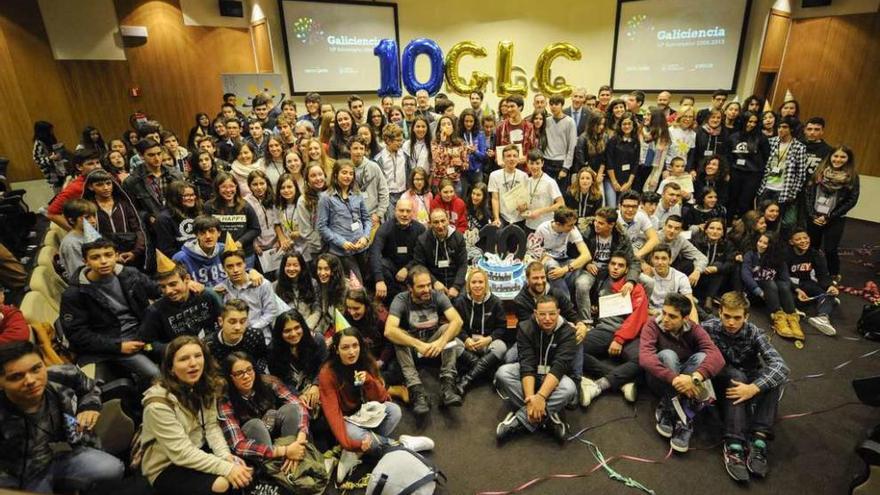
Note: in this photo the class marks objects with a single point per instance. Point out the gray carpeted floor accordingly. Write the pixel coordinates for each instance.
(812, 454)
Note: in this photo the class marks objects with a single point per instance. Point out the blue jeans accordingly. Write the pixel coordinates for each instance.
(381, 434)
(509, 383)
(670, 359)
(610, 194)
(76, 470)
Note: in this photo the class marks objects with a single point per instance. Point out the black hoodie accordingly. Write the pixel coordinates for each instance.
(486, 318)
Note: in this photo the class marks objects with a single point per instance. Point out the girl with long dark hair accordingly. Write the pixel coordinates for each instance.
(332, 283)
(655, 140)
(262, 200)
(202, 175)
(376, 120)
(91, 139)
(273, 161)
(236, 216)
(201, 128)
(361, 313)
(623, 157)
(418, 146)
(710, 240)
(748, 153)
(765, 276)
(286, 229)
(419, 193)
(343, 130)
(448, 154)
(296, 355)
(49, 160)
(296, 287)
(174, 226)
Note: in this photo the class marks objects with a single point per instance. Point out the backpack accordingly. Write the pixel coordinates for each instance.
(138, 447)
(401, 471)
(869, 323)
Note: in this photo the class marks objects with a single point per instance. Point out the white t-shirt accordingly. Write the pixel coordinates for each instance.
(556, 243)
(500, 181)
(675, 281)
(635, 231)
(543, 191)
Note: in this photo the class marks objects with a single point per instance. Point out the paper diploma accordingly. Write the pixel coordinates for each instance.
(615, 305)
(516, 196)
(685, 181)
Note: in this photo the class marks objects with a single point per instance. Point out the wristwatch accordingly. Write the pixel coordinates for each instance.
(697, 380)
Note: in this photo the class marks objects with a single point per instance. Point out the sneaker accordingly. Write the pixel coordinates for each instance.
(780, 324)
(558, 427)
(449, 394)
(347, 462)
(498, 390)
(681, 436)
(735, 461)
(794, 324)
(420, 403)
(507, 427)
(757, 459)
(664, 421)
(416, 444)
(823, 324)
(399, 392)
(629, 391)
(588, 391)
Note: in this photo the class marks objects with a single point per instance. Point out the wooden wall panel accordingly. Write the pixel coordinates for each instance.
(262, 46)
(98, 94)
(15, 125)
(778, 24)
(831, 66)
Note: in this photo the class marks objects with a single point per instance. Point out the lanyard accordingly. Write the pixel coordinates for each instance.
(782, 153)
(509, 185)
(533, 190)
(544, 356)
(583, 205)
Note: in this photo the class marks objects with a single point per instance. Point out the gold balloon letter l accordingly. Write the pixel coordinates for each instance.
(454, 81)
(504, 67)
(545, 60)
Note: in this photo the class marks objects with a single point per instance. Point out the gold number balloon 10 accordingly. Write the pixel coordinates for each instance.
(504, 67)
(542, 68)
(454, 81)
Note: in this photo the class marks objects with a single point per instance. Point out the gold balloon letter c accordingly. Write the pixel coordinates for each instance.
(545, 60)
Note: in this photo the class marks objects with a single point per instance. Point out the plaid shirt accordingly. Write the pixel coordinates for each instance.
(749, 351)
(230, 423)
(795, 170)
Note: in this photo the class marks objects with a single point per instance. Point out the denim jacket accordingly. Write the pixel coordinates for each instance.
(336, 217)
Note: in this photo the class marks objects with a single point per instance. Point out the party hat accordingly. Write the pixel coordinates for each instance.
(339, 321)
(767, 107)
(164, 263)
(90, 234)
(788, 96)
(230, 244)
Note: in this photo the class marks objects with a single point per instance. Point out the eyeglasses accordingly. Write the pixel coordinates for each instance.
(242, 373)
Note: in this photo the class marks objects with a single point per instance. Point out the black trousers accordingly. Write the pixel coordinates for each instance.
(755, 415)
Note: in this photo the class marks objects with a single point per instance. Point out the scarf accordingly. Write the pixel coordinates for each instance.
(712, 132)
(243, 170)
(834, 180)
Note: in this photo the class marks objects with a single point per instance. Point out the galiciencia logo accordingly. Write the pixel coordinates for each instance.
(308, 30)
(635, 25)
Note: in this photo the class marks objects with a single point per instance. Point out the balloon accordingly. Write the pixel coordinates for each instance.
(454, 81)
(422, 46)
(389, 68)
(504, 67)
(545, 60)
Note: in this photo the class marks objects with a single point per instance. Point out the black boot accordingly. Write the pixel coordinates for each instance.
(449, 393)
(486, 364)
(467, 361)
(419, 400)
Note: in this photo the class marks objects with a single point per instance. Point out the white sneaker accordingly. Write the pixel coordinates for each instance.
(823, 324)
(416, 444)
(589, 391)
(347, 462)
(629, 391)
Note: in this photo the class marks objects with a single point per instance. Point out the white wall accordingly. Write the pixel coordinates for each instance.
(207, 13)
(82, 30)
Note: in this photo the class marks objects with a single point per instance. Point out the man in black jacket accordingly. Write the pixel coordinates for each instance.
(48, 417)
(443, 252)
(147, 184)
(391, 254)
(537, 386)
(101, 312)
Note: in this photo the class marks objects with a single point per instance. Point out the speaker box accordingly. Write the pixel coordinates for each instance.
(815, 3)
(231, 8)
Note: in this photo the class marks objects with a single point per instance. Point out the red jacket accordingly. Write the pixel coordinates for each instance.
(338, 403)
(13, 327)
(73, 190)
(692, 339)
(632, 325)
(456, 210)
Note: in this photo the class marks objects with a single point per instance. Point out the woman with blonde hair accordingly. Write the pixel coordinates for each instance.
(584, 196)
(317, 152)
(682, 134)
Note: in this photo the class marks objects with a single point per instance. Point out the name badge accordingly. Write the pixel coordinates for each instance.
(822, 208)
(355, 226)
(443, 264)
(624, 167)
(741, 161)
(402, 249)
(708, 153)
(543, 369)
(476, 336)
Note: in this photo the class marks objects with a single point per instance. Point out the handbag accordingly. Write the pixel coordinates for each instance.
(309, 478)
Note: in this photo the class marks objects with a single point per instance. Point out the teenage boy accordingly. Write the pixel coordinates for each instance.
(649, 202)
(85, 161)
(391, 254)
(201, 256)
(232, 143)
(313, 111)
(180, 310)
(677, 356)
(502, 182)
(670, 204)
(356, 105)
(414, 326)
(146, 186)
(515, 129)
(719, 97)
(556, 238)
(208, 144)
(259, 296)
(615, 338)
(370, 180)
(577, 111)
(605, 93)
(786, 168)
(752, 381)
(102, 310)
(667, 280)
(537, 385)
(811, 281)
(476, 101)
(443, 252)
(817, 148)
(685, 257)
(637, 225)
(117, 218)
(236, 335)
(288, 111)
(262, 105)
(544, 194)
(409, 106)
(48, 417)
(487, 127)
(77, 212)
(286, 130)
(395, 164)
(387, 104)
(562, 138)
(257, 138)
(634, 101)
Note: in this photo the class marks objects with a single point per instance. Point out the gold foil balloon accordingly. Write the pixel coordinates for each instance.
(454, 81)
(545, 60)
(504, 68)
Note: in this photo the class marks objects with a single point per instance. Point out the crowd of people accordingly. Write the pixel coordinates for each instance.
(215, 271)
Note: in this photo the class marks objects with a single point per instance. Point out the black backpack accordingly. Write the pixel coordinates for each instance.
(869, 323)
